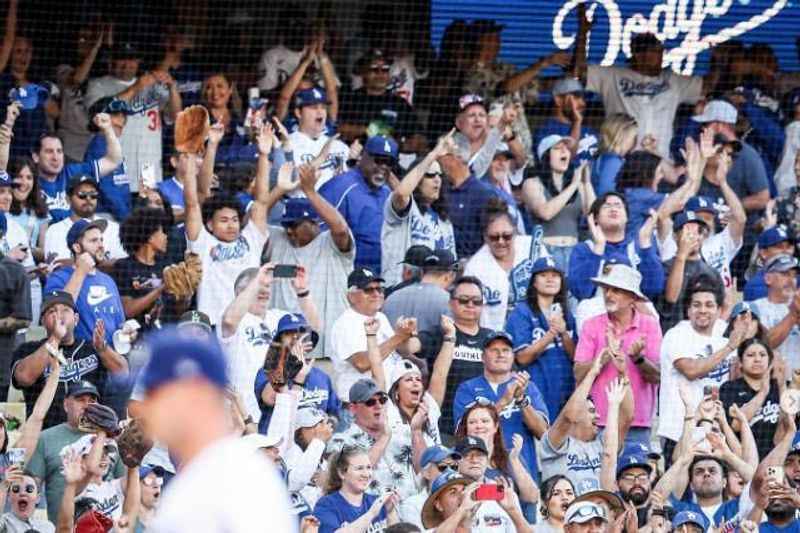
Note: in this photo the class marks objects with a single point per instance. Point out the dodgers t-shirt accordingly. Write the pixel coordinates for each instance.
(334, 512)
(55, 192)
(115, 189)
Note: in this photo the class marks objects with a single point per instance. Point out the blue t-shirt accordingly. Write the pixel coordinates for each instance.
(362, 208)
(587, 145)
(604, 172)
(464, 207)
(333, 512)
(640, 201)
(30, 124)
(173, 191)
(98, 300)
(115, 188)
(317, 392)
(55, 192)
(510, 418)
(792, 527)
(551, 372)
(725, 512)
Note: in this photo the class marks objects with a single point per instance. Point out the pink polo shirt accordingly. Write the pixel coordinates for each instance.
(591, 342)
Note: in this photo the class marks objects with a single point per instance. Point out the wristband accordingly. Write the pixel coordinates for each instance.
(303, 294)
(448, 339)
(639, 360)
(249, 420)
(523, 403)
(372, 334)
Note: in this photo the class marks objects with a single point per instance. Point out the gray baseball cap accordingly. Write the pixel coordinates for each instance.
(362, 390)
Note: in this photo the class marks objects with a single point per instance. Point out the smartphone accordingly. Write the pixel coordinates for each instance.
(490, 492)
(16, 456)
(775, 474)
(711, 391)
(148, 175)
(555, 309)
(699, 434)
(285, 271)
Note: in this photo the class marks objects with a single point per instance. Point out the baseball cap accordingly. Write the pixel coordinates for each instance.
(403, 368)
(471, 443)
(700, 204)
(589, 488)
(550, 141)
(110, 104)
(362, 390)
(582, 512)
(57, 297)
(795, 444)
(82, 226)
(126, 50)
(310, 96)
(744, 307)
(772, 236)
(431, 517)
(195, 318)
(469, 100)
(361, 277)
(82, 387)
(498, 335)
(144, 470)
(175, 357)
(632, 459)
(415, 255)
(371, 57)
(689, 517)
(6, 180)
(3, 224)
(718, 111)
(681, 219)
(29, 96)
(80, 179)
(295, 322)
(644, 41)
(781, 263)
(308, 417)
(380, 145)
(437, 454)
(439, 260)
(297, 210)
(545, 264)
(567, 86)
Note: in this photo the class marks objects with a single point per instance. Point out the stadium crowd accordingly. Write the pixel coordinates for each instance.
(583, 319)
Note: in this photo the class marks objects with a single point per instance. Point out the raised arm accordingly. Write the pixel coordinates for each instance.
(32, 427)
(109, 162)
(291, 84)
(401, 196)
(441, 366)
(329, 214)
(10, 35)
(575, 407)
(241, 303)
(304, 300)
(615, 392)
(534, 199)
(109, 358)
(6, 133)
(74, 474)
(81, 72)
(329, 80)
(737, 217)
(258, 213)
(371, 327)
(522, 79)
(187, 172)
(206, 173)
(579, 56)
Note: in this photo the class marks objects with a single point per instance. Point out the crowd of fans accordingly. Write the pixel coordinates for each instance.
(582, 320)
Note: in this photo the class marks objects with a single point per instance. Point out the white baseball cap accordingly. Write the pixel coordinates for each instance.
(718, 111)
(550, 141)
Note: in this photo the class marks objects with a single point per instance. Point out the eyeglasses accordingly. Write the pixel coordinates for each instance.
(383, 160)
(464, 300)
(373, 290)
(635, 478)
(383, 68)
(87, 195)
(30, 489)
(153, 482)
(372, 401)
(497, 237)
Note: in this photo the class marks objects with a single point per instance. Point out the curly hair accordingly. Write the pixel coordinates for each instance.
(218, 201)
(140, 225)
(499, 456)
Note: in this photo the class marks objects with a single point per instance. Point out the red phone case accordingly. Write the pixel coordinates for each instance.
(489, 491)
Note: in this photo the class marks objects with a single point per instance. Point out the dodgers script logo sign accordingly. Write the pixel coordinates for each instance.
(687, 27)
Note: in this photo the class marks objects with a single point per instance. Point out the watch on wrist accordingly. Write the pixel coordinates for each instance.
(249, 420)
(449, 338)
(523, 402)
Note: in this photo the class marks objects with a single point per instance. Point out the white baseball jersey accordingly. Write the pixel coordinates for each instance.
(55, 240)
(227, 488)
(141, 138)
(306, 149)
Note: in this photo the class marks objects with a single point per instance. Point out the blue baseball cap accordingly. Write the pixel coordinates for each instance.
(431, 517)
(82, 226)
(312, 96)
(80, 179)
(781, 263)
(743, 307)
(175, 357)
(498, 335)
(297, 210)
(295, 322)
(568, 86)
(545, 264)
(437, 454)
(795, 444)
(699, 204)
(632, 459)
(3, 224)
(381, 146)
(772, 236)
(30, 96)
(681, 219)
(6, 180)
(144, 470)
(690, 517)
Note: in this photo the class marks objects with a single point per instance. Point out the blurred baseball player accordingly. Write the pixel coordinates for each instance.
(222, 486)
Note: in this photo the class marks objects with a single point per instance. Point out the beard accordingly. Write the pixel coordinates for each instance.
(637, 497)
(780, 510)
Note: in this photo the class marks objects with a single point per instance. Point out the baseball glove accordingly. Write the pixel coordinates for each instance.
(182, 279)
(280, 365)
(191, 130)
(97, 417)
(133, 444)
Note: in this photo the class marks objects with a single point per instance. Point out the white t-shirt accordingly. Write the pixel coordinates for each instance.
(227, 488)
(306, 149)
(403, 76)
(683, 342)
(222, 264)
(108, 495)
(245, 351)
(348, 337)
(771, 314)
(55, 240)
(278, 63)
(651, 100)
(717, 251)
(15, 236)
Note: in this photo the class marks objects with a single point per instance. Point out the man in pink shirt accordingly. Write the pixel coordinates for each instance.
(629, 341)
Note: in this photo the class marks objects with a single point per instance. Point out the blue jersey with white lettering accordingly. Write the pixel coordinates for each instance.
(511, 420)
(551, 372)
(334, 512)
(55, 192)
(173, 190)
(115, 189)
(317, 392)
(98, 300)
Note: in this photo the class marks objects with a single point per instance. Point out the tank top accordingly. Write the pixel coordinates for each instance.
(565, 223)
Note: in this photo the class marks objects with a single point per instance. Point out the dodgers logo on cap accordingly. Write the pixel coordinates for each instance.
(691, 516)
(317, 94)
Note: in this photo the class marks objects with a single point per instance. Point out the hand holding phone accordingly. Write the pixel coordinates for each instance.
(285, 271)
(489, 492)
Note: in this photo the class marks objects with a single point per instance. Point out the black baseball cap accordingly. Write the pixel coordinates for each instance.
(80, 179)
(415, 255)
(82, 387)
(195, 318)
(471, 443)
(126, 50)
(439, 260)
(361, 277)
(57, 297)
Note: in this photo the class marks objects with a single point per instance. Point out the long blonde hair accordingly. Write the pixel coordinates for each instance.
(615, 130)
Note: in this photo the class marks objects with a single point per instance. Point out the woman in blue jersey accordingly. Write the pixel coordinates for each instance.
(544, 334)
(346, 502)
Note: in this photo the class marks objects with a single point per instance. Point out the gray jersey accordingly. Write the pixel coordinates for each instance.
(576, 459)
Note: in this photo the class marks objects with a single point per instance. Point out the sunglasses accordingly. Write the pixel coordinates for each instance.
(464, 300)
(444, 467)
(30, 489)
(433, 174)
(497, 237)
(373, 290)
(373, 401)
(483, 402)
(383, 160)
(153, 482)
(87, 195)
(384, 68)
